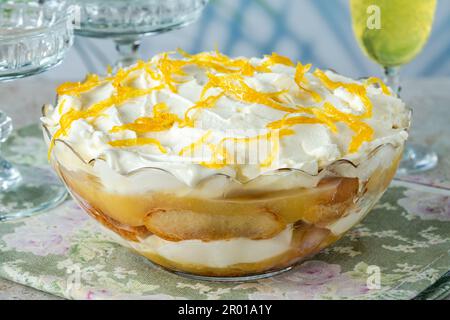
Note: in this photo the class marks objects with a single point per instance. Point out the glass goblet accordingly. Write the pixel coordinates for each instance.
(34, 37)
(392, 33)
(126, 22)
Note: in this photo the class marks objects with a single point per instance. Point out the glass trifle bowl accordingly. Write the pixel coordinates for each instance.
(214, 167)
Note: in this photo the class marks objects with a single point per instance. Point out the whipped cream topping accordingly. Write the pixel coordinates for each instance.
(164, 115)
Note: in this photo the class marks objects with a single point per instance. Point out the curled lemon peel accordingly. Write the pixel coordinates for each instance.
(203, 103)
(222, 63)
(122, 75)
(92, 80)
(152, 73)
(121, 95)
(162, 120)
(315, 116)
(61, 106)
(363, 132)
(140, 141)
(322, 116)
(380, 83)
(170, 67)
(289, 122)
(328, 116)
(76, 88)
(353, 88)
(300, 78)
(234, 86)
(275, 58)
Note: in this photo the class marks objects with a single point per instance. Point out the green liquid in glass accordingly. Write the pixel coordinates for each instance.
(405, 26)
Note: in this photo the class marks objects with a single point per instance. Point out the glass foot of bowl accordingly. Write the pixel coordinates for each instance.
(250, 277)
(34, 190)
(416, 159)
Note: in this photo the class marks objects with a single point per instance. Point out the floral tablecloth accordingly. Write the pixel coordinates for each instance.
(400, 251)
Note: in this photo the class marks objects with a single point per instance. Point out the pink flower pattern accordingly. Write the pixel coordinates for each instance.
(426, 206)
(312, 280)
(48, 234)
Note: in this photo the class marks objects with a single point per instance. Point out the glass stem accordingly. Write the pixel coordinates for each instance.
(392, 78)
(128, 51)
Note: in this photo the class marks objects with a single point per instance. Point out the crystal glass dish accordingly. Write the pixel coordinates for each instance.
(116, 18)
(222, 228)
(126, 22)
(33, 36)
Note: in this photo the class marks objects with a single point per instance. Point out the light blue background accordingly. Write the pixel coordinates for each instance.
(317, 31)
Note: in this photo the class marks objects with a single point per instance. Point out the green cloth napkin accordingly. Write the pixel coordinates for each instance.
(400, 251)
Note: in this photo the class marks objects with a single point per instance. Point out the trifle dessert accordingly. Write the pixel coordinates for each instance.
(234, 168)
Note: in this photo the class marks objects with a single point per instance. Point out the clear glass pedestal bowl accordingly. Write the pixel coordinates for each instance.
(126, 22)
(223, 229)
(34, 37)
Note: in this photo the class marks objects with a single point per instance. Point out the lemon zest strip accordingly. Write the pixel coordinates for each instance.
(379, 82)
(353, 88)
(137, 142)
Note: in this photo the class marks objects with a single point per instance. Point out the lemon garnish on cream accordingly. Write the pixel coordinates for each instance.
(118, 98)
(75, 88)
(234, 86)
(203, 103)
(275, 58)
(363, 132)
(162, 120)
(227, 76)
(300, 80)
(137, 142)
(381, 84)
(353, 88)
